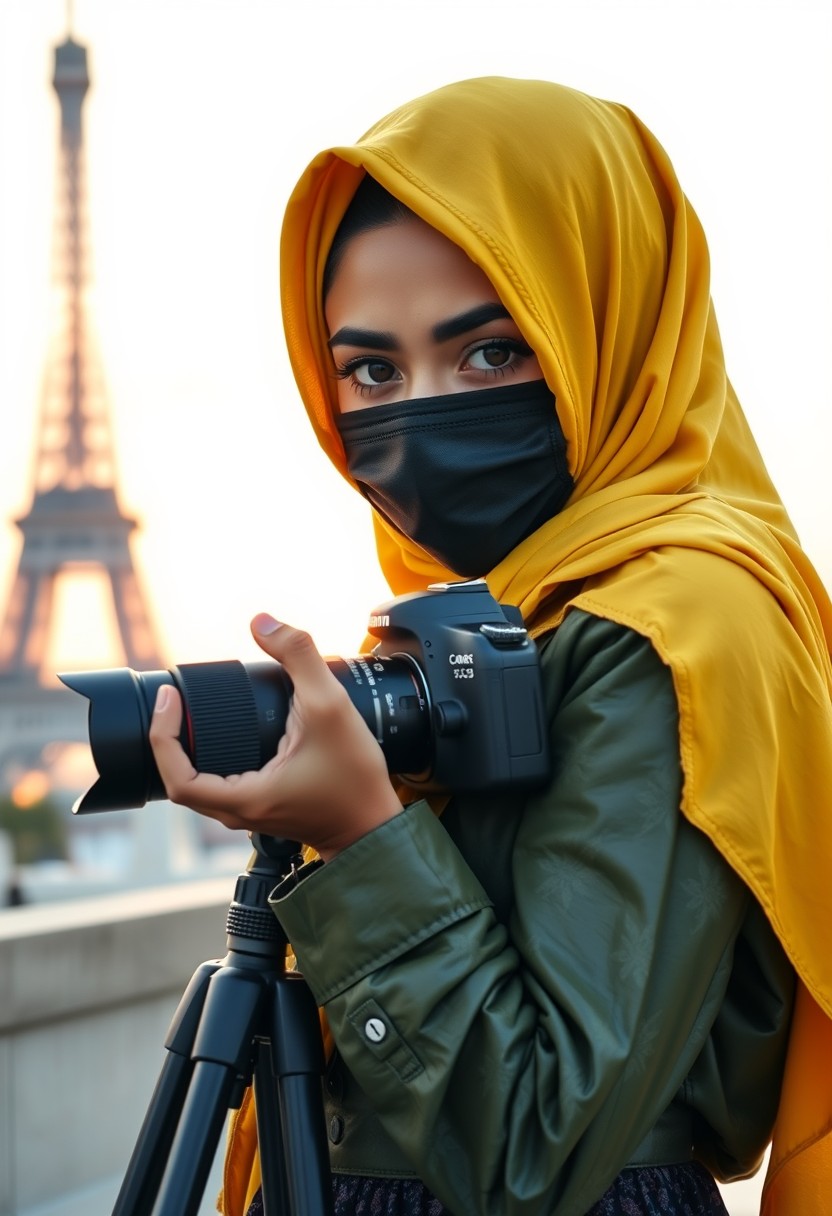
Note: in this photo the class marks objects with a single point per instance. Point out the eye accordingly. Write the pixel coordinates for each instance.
(364, 374)
(497, 354)
(371, 371)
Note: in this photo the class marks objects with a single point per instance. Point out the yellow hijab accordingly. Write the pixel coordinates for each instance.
(572, 209)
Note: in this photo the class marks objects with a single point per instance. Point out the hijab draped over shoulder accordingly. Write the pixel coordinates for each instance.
(674, 529)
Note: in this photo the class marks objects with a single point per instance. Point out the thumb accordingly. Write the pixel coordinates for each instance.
(294, 649)
(263, 629)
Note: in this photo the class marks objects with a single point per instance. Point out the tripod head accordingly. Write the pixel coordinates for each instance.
(251, 926)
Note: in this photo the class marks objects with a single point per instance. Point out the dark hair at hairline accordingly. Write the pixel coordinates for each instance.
(370, 207)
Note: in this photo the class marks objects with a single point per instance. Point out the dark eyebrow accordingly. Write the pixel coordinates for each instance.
(377, 339)
(466, 321)
(380, 339)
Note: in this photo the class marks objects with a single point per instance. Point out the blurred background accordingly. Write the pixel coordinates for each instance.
(198, 119)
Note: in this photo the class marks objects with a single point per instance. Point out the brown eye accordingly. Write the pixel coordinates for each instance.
(373, 371)
(498, 355)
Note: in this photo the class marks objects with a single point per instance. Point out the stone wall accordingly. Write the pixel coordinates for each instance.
(88, 989)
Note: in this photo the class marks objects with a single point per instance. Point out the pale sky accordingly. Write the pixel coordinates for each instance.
(202, 115)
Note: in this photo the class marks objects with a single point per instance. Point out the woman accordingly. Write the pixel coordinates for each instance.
(586, 999)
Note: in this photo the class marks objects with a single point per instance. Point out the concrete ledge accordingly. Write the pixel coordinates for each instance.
(88, 989)
(61, 960)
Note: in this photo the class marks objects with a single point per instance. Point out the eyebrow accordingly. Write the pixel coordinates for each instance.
(466, 321)
(380, 339)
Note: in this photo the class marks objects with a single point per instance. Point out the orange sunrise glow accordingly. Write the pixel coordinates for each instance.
(198, 120)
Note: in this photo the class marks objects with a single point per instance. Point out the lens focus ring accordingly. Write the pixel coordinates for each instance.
(223, 717)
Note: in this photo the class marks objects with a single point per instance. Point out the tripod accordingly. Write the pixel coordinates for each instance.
(242, 1019)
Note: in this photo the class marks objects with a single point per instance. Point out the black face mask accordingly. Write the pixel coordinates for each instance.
(467, 476)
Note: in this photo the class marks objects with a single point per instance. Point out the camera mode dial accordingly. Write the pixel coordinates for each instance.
(503, 634)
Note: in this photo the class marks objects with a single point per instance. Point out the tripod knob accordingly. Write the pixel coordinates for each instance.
(258, 924)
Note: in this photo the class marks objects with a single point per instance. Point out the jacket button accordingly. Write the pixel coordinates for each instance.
(375, 1030)
(336, 1129)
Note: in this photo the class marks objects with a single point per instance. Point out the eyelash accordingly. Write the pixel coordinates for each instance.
(345, 371)
(515, 346)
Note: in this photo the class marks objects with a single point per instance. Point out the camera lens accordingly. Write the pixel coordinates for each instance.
(234, 716)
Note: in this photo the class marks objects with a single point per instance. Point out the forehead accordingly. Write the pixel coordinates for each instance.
(400, 259)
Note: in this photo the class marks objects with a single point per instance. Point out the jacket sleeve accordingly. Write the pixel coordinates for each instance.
(519, 1059)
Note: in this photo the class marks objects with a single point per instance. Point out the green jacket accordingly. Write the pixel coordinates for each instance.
(522, 987)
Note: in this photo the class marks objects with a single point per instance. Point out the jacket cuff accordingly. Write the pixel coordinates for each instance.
(346, 919)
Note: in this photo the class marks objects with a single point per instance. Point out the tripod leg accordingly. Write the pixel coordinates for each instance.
(195, 1144)
(147, 1163)
(298, 1062)
(305, 1146)
(222, 1021)
(235, 1004)
(275, 1183)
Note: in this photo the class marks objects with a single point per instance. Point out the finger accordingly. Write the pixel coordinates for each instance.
(296, 651)
(172, 761)
(203, 792)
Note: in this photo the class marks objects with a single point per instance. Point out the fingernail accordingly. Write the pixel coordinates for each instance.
(162, 699)
(265, 624)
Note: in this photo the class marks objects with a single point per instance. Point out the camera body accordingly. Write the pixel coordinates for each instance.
(480, 674)
(452, 693)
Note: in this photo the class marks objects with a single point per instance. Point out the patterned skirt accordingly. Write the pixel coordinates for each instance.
(655, 1190)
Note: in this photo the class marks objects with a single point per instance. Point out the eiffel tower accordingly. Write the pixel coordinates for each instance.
(75, 522)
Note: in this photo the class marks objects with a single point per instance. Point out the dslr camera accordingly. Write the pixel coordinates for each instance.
(452, 692)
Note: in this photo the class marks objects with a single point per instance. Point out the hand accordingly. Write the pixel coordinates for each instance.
(327, 785)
